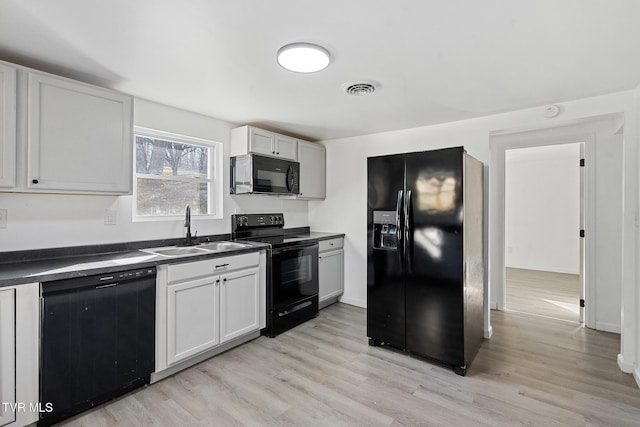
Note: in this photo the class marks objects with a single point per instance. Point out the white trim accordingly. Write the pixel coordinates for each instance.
(354, 301)
(608, 327)
(583, 131)
(488, 333)
(215, 180)
(636, 375)
(624, 366)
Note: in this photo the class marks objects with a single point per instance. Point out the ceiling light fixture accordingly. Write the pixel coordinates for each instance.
(303, 57)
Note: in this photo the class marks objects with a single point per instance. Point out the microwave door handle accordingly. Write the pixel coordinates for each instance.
(290, 179)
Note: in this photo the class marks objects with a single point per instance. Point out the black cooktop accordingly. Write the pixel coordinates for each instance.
(265, 228)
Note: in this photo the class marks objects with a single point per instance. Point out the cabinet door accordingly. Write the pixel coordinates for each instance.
(79, 137)
(192, 318)
(7, 125)
(286, 147)
(330, 274)
(312, 170)
(239, 308)
(7, 356)
(261, 141)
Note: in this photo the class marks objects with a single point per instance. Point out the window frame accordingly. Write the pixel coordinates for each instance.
(216, 190)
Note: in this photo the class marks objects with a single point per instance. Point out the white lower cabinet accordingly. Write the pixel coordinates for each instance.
(192, 318)
(19, 343)
(239, 303)
(7, 356)
(330, 271)
(202, 305)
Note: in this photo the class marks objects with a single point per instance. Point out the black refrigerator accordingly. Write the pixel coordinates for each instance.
(425, 273)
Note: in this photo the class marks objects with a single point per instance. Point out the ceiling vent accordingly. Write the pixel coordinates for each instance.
(360, 88)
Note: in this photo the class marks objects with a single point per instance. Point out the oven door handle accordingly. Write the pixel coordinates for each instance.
(296, 248)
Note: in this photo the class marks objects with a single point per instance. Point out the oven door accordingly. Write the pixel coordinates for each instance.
(293, 296)
(295, 275)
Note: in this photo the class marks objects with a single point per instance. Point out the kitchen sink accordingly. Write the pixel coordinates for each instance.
(176, 250)
(222, 246)
(201, 249)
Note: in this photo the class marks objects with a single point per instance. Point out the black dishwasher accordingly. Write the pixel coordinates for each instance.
(97, 340)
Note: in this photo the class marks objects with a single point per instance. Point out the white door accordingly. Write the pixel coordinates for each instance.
(582, 231)
(312, 170)
(330, 274)
(286, 147)
(79, 137)
(7, 356)
(261, 141)
(7, 126)
(192, 318)
(239, 303)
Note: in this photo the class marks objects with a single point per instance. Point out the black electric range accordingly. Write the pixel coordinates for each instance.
(292, 285)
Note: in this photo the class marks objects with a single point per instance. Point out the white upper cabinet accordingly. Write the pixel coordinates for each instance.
(7, 125)
(286, 147)
(248, 139)
(79, 137)
(312, 170)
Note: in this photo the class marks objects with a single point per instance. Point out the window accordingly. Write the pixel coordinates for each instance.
(173, 171)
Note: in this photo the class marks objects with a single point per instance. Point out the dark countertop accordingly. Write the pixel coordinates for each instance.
(43, 265)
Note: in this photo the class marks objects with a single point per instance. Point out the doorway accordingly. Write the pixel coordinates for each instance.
(543, 216)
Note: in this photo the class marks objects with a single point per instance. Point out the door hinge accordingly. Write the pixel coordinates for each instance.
(581, 233)
(581, 163)
(581, 302)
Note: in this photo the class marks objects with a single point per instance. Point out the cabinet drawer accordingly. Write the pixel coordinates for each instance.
(331, 244)
(191, 270)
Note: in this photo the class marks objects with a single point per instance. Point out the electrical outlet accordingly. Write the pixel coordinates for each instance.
(3, 218)
(110, 217)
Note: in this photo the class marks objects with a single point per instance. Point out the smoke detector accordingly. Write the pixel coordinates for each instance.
(360, 88)
(551, 111)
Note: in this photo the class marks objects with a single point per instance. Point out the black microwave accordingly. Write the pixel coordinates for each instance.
(256, 174)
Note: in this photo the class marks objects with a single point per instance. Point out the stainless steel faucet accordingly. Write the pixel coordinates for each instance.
(187, 224)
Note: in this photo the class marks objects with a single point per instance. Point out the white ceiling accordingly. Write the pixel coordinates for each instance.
(435, 60)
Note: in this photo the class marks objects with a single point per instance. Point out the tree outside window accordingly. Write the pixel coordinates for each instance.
(172, 171)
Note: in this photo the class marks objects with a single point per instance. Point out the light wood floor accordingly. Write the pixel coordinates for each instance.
(544, 293)
(534, 371)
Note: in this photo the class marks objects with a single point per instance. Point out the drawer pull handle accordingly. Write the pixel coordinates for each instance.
(222, 266)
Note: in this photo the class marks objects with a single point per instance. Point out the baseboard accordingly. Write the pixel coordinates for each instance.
(546, 269)
(488, 333)
(354, 301)
(636, 375)
(157, 376)
(608, 327)
(625, 366)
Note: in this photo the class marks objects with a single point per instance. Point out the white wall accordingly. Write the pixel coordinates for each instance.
(542, 208)
(37, 221)
(345, 206)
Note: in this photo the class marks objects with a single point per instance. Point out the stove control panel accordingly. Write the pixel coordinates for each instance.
(240, 221)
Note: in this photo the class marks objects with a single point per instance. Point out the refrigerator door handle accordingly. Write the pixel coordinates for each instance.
(408, 237)
(400, 248)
